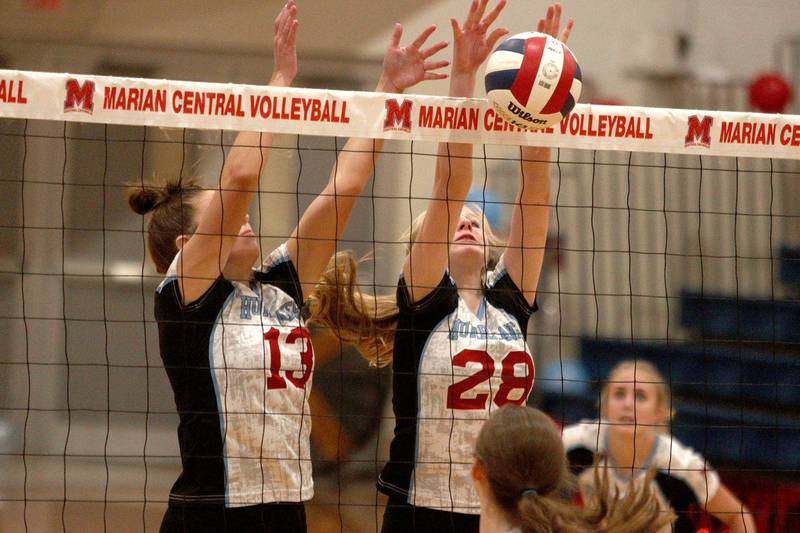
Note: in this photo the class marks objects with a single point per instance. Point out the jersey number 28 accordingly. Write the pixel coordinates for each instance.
(508, 380)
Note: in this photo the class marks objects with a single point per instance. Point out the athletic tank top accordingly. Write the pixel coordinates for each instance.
(684, 481)
(451, 369)
(239, 360)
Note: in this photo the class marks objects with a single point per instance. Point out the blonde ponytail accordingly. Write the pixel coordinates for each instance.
(368, 322)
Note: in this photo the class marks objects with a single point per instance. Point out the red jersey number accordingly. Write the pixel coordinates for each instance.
(509, 381)
(275, 380)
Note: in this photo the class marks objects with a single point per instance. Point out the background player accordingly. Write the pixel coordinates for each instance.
(633, 434)
(520, 473)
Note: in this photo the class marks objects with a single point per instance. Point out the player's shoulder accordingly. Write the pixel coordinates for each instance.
(683, 463)
(672, 453)
(587, 434)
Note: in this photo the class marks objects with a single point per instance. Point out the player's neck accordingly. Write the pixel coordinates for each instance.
(466, 278)
(471, 297)
(470, 286)
(238, 271)
(493, 520)
(630, 450)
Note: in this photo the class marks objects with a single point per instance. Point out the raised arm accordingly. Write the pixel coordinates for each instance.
(524, 253)
(205, 255)
(428, 259)
(313, 241)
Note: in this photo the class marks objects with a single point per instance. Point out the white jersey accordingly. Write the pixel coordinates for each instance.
(240, 362)
(451, 369)
(684, 481)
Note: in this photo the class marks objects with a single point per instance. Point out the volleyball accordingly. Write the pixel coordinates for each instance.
(533, 80)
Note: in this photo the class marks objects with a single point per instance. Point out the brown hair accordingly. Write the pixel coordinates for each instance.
(368, 321)
(663, 392)
(172, 207)
(526, 467)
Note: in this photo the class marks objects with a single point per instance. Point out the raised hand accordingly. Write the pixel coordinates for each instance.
(406, 66)
(551, 23)
(471, 44)
(285, 50)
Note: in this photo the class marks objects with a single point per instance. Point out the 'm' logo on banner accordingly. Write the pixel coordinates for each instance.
(398, 116)
(80, 96)
(699, 131)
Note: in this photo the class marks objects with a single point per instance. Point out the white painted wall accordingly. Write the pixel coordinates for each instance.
(730, 39)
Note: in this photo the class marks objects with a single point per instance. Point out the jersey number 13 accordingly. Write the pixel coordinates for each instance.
(275, 380)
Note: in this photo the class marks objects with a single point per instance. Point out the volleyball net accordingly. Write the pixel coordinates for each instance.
(674, 238)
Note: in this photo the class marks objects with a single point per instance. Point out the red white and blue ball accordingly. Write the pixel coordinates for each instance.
(533, 80)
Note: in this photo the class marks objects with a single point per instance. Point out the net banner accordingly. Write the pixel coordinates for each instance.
(165, 103)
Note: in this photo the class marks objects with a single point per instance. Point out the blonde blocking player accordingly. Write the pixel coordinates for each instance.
(460, 349)
(455, 330)
(232, 338)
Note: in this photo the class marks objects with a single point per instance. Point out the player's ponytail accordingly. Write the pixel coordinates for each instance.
(368, 322)
(364, 320)
(172, 209)
(638, 510)
(526, 467)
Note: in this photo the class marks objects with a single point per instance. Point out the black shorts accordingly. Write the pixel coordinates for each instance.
(265, 518)
(401, 517)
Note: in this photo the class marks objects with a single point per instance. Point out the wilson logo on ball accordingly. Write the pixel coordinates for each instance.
(533, 80)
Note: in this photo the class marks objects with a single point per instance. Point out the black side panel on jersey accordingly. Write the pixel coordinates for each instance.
(505, 295)
(682, 499)
(283, 275)
(184, 335)
(414, 326)
(677, 492)
(580, 459)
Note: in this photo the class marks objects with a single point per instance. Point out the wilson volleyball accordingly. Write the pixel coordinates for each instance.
(533, 80)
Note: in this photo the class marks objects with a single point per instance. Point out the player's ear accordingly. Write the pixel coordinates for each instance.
(180, 241)
(478, 470)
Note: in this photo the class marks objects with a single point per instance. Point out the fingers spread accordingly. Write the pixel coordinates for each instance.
(428, 52)
(567, 30)
(492, 16)
(548, 21)
(419, 41)
(396, 35)
(496, 35)
(434, 76)
(472, 17)
(433, 65)
(556, 21)
(456, 27)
